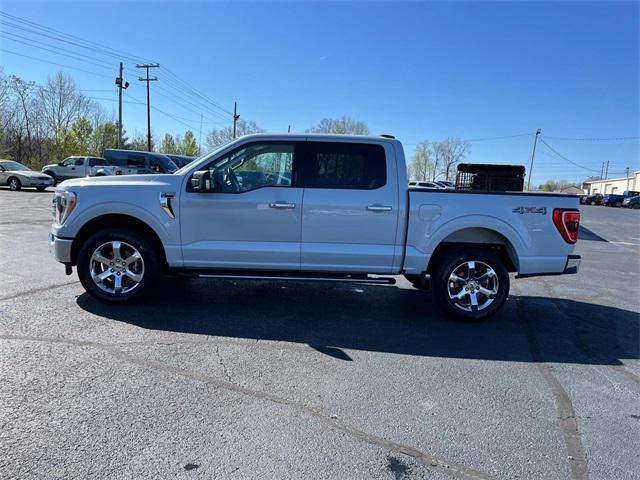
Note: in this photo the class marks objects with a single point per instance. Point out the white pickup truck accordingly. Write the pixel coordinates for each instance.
(309, 207)
(78, 167)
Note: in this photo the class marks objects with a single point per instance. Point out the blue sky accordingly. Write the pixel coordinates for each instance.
(417, 70)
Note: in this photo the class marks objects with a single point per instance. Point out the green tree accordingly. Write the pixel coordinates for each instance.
(421, 165)
(77, 139)
(168, 144)
(189, 146)
(104, 136)
(345, 125)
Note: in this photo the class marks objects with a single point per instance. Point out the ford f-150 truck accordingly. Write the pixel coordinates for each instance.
(78, 167)
(309, 207)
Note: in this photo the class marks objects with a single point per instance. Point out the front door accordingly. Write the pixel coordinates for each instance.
(350, 213)
(243, 210)
(72, 167)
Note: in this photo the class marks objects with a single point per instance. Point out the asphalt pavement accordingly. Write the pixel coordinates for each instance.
(224, 379)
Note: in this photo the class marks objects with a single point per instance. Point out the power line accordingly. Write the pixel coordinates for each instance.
(593, 139)
(559, 155)
(499, 138)
(53, 63)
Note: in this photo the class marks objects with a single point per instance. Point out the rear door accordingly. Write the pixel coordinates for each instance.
(350, 208)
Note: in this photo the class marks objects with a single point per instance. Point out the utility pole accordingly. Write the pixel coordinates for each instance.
(289, 129)
(121, 86)
(602, 171)
(200, 137)
(147, 66)
(235, 117)
(533, 155)
(606, 171)
(626, 174)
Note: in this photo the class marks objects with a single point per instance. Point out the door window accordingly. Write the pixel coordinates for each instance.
(79, 162)
(135, 161)
(257, 165)
(69, 162)
(345, 166)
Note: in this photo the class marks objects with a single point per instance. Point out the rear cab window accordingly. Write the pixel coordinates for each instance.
(337, 165)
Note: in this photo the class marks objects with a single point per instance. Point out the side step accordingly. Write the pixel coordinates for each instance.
(290, 276)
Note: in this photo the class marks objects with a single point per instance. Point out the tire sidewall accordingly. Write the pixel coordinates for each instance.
(14, 181)
(144, 247)
(453, 259)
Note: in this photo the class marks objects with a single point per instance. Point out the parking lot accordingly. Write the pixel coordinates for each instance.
(224, 379)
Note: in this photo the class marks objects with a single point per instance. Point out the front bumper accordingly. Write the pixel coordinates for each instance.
(36, 182)
(60, 248)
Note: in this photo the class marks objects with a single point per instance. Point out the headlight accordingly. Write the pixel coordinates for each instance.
(63, 204)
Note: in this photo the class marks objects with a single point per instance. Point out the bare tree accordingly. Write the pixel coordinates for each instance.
(421, 164)
(447, 155)
(218, 136)
(62, 103)
(345, 125)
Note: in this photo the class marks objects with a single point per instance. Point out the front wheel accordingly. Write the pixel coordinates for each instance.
(14, 184)
(117, 266)
(471, 283)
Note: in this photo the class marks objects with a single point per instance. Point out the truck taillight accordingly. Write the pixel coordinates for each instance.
(118, 172)
(567, 221)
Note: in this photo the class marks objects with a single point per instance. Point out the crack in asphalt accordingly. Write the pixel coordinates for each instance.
(221, 362)
(37, 290)
(459, 472)
(576, 454)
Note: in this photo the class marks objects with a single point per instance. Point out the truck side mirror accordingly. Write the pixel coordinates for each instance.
(201, 182)
(61, 164)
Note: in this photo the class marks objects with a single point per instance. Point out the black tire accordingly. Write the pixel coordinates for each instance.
(453, 260)
(53, 177)
(41, 189)
(14, 184)
(150, 258)
(636, 206)
(418, 281)
(618, 204)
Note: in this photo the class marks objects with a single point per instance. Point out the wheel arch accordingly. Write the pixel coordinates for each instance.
(479, 237)
(121, 220)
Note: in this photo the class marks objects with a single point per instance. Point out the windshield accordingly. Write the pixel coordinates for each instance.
(203, 156)
(12, 166)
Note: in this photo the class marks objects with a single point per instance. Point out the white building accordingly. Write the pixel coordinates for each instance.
(613, 185)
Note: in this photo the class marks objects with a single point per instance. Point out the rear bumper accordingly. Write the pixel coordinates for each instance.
(60, 248)
(571, 266)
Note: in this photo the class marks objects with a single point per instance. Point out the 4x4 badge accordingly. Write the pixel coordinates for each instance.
(523, 210)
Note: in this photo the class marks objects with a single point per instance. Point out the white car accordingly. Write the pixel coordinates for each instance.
(309, 208)
(16, 175)
(423, 184)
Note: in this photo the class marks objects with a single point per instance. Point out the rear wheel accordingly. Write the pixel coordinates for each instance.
(471, 283)
(117, 266)
(14, 184)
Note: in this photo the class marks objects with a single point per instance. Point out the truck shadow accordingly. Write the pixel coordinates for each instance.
(405, 321)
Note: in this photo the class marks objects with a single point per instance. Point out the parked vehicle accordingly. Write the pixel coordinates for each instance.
(615, 200)
(595, 199)
(79, 167)
(309, 207)
(135, 162)
(631, 202)
(180, 160)
(432, 185)
(447, 184)
(16, 175)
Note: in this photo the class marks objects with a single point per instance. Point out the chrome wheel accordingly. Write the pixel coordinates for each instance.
(116, 267)
(472, 286)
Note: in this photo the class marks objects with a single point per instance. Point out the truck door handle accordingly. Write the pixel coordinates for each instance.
(282, 205)
(379, 208)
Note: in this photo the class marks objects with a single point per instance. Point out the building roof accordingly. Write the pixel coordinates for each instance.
(637, 172)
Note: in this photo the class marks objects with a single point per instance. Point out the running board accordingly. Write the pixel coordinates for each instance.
(306, 277)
